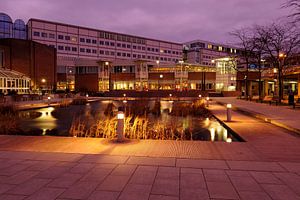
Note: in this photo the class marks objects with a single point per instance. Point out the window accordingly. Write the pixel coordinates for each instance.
(61, 37)
(124, 45)
(82, 50)
(94, 51)
(101, 42)
(74, 48)
(68, 48)
(88, 41)
(51, 35)
(35, 33)
(88, 50)
(107, 43)
(112, 53)
(67, 37)
(134, 47)
(118, 54)
(118, 44)
(44, 35)
(94, 41)
(74, 39)
(60, 47)
(128, 55)
(139, 47)
(128, 46)
(112, 44)
(107, 53)
(143, 48)
(82, 40)
(101, 52)
(51, 45)
(124, 54)
(1, 59)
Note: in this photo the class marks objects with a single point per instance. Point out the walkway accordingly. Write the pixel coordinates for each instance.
(267, 166)
(284, 116)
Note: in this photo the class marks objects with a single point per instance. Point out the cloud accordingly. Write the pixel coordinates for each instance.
(173, 20)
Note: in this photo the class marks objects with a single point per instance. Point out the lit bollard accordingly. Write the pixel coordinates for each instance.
(207, 101)
(120, 126)
(48, 100)
(229, 107)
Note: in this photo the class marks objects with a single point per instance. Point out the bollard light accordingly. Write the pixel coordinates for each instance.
(87, 96)
(207, 101)
(120, 126)
(48, 100)
(229, 140)
(229, 108)
(170, 95)
(124, 95)
(200, 95)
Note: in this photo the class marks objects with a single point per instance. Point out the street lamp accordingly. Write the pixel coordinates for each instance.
(161, 76)
(43, 80)
(181, 62)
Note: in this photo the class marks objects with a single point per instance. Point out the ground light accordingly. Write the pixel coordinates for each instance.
(207, 101)
(120, 126)
(229, 108)
(49, 98)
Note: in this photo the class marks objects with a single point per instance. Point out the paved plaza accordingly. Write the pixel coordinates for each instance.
(266, 166)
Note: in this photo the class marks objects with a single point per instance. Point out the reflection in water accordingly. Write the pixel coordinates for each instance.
(60, 119)
(45, 121)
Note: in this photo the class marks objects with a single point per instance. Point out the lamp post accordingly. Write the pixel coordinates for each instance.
(181, 71)
(161, 76)
(207, 101)
(49, 98)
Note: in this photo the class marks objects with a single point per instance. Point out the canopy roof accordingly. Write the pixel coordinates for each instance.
(4, 73)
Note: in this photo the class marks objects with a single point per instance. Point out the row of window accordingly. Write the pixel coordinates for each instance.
(120, 37)
(106, 43)
(112, 53)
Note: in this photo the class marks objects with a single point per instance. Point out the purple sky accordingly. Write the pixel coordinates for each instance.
(172, 20)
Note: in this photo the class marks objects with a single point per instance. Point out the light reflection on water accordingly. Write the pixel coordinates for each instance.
(61, 118)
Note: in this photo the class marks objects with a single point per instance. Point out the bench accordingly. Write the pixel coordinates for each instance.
(270, 100)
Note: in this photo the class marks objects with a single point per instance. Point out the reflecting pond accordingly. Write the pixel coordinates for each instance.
(58, 121)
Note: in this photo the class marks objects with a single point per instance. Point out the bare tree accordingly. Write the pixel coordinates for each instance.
(280, 43)
(295, 5)
(244, 37)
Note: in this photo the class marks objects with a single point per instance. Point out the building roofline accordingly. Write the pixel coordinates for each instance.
(94, 29)
(213, 43)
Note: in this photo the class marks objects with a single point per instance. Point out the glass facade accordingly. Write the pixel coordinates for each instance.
(8, 29)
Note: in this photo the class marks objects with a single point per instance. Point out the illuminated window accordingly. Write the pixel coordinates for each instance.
(220, 48)
(74, 39)
(209, 46)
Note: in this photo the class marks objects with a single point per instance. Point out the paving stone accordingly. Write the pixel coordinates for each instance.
(193, 194)
(5, 187)
(20, 177)
(191, 171)
(265, 177)
(80, 190)
(13, 169)
(114, 183)
(55, 156)
(215, 175)
(46, 194)
(221, 190)
(53, 172)
(135, 191)
(255, 166)
(165, 186)
(280, 192)
(245, 184)
(12, 197)
(208, 164)
(81, 168)
(163, 197)
(291, 166)
(96, 174)
(41, 165)
(249, 195)
(144, 175)
(105, 195)
(192, 181)
(104, 159)
(65, 180)
(151, 161)
(123, 170)
(29, 187)
(168, 173)
(237, 173)
(291, 180)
